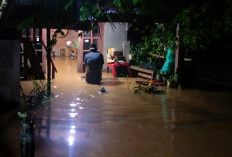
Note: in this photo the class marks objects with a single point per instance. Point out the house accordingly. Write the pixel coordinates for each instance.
(23, 53)
(104, 35)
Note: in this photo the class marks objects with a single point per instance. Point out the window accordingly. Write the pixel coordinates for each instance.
(92, 37)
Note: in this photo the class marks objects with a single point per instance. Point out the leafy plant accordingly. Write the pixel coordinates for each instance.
(54, 38)
(203, 26)
(174, 81)
(147, 87)
(162, 36)
(39, 95)
(157, 42)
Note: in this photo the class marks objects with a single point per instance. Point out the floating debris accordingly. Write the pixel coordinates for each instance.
(148, 88)
(102, 90)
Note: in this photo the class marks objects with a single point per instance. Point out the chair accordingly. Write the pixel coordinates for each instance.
(114, 65)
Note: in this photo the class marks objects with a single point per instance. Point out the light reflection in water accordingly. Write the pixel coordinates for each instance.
(73, 105)
(72, 131)
(72, 110)
(73, 126)
(168, 114)
(78, 103)
(81, 108)
(71, 140)
(57, 96)
(73, 115)
(55, 86)
(78, 99)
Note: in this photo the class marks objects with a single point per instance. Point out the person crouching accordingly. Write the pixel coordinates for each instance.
(93, 62)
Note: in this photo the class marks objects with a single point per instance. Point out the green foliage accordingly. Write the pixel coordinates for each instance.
(62, 14)
(160, 37)
(69, 4)
(54, 38)
(26, 23)
(174, 81)
(90, 11)
(140, 53)
(148, 88)
(38, 94)
(135, 1)
(39, 88)
(117, 3)
(200, 27)
(203, 27)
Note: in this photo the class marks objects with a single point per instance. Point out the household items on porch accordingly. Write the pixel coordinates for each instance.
(145, 73)
(119, 69)
(113, 56)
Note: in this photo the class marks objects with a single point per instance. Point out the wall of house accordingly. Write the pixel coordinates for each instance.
(10, 71)
(61, 42)
(114, 37)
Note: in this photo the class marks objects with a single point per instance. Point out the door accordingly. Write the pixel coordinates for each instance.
(92, 37)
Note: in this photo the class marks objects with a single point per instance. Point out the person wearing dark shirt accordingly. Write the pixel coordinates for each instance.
(93, 62)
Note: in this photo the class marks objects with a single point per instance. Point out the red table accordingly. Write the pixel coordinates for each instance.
(114, 65)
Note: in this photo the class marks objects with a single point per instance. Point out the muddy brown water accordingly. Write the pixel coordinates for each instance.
(80, 122)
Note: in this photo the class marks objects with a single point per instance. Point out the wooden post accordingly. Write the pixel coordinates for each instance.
(177, 48)
(48, 63)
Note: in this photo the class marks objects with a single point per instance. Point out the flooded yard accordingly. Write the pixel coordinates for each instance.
(80, 122)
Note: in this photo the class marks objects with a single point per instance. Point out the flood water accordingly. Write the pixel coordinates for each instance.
(80, 122)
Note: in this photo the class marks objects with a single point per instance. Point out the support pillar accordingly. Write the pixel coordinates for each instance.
(48, 63)
(177, 48)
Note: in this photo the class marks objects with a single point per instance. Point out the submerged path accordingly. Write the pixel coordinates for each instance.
(80, 122)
